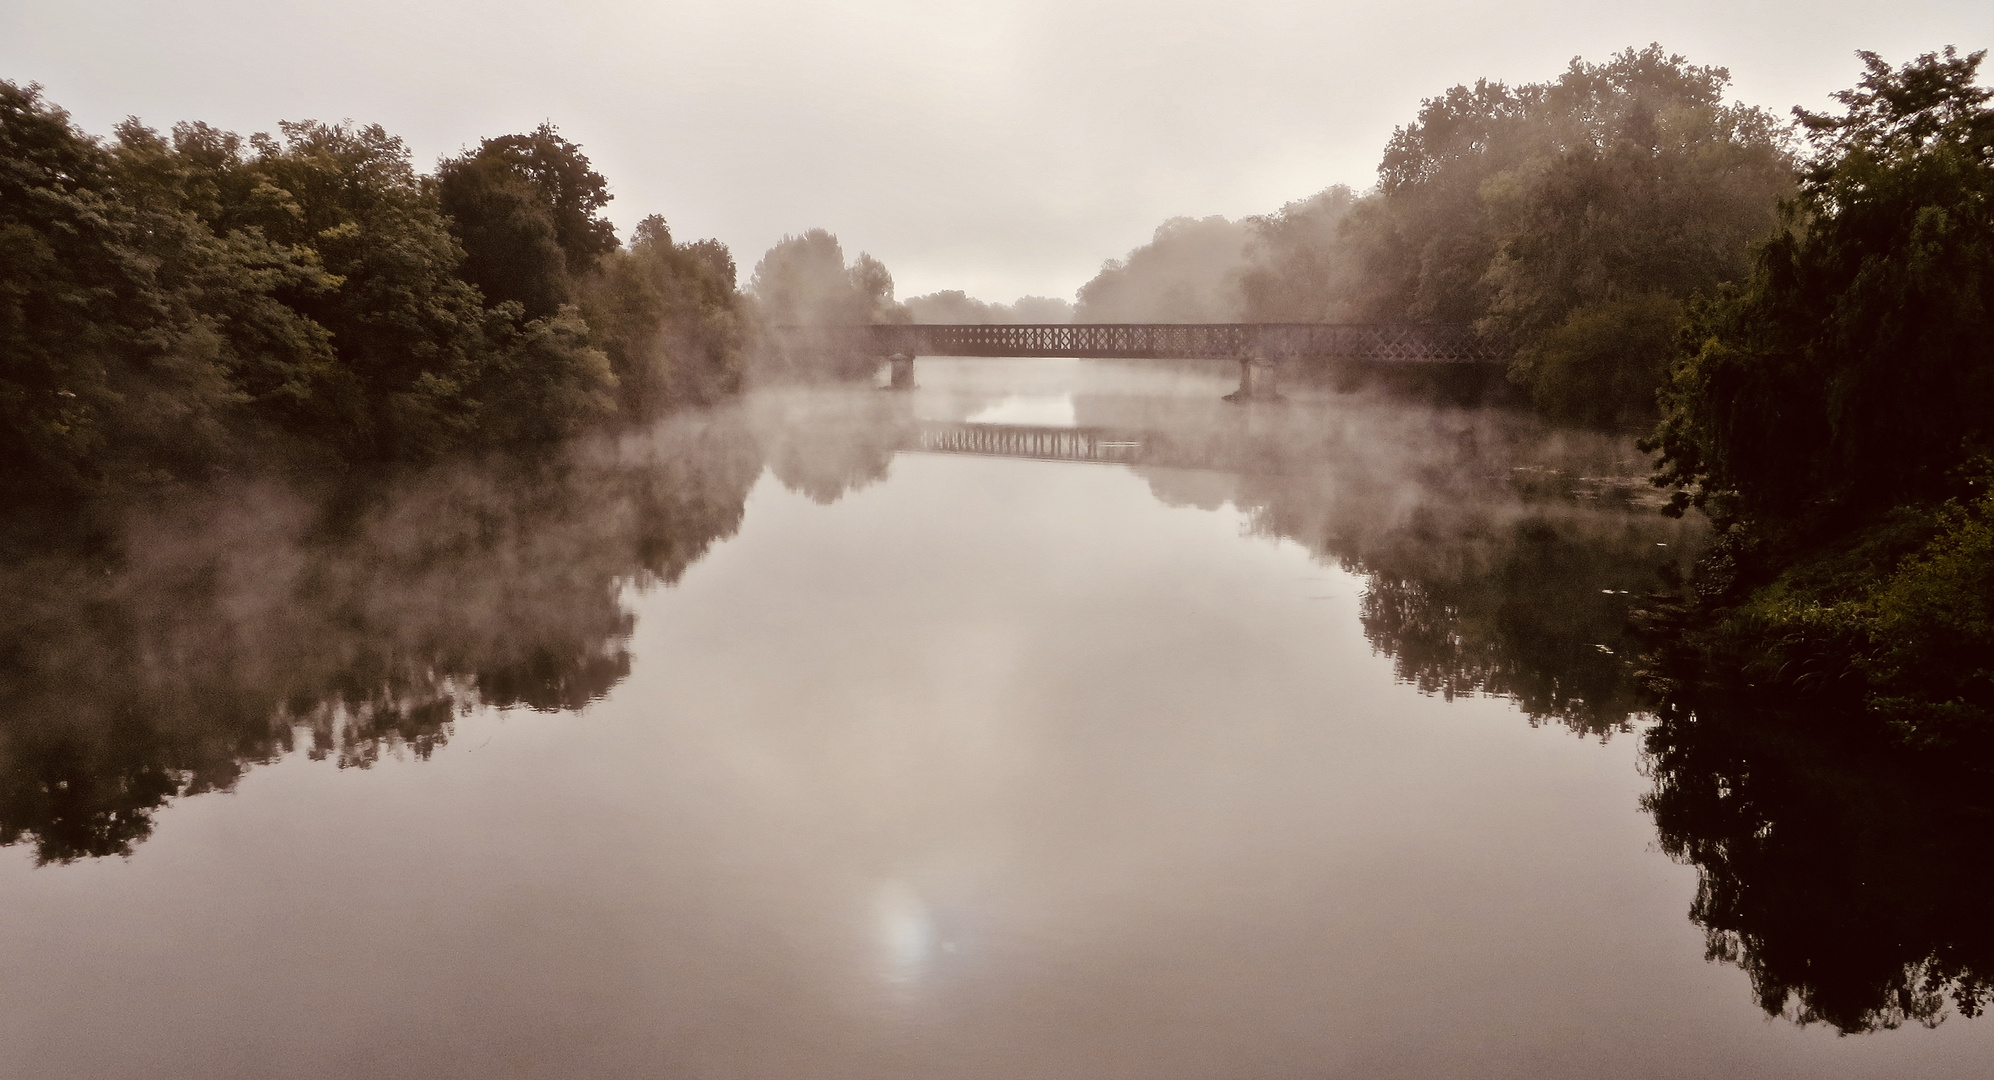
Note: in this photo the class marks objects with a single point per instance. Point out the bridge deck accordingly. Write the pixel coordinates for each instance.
(1399, 343)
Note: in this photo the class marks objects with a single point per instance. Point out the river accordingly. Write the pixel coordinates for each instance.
(1295, 739)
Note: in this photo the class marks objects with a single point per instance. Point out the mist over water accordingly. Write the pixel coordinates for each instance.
(1252, 754)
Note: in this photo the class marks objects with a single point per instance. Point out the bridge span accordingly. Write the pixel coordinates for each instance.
(1390, 343)
(1260, 348)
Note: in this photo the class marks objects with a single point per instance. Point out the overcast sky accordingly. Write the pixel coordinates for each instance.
(998, 147)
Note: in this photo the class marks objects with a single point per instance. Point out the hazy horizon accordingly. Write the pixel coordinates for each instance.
(1001, 150)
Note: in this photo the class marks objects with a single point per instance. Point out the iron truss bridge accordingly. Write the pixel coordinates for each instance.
(1392, 343)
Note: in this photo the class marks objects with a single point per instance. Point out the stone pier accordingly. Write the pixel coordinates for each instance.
(1256, 380)
(902, 366)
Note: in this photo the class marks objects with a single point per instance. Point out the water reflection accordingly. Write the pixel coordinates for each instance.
(1046, 410)
(906, 932)
(216, 635)
(1841, 875)
(1496, 557)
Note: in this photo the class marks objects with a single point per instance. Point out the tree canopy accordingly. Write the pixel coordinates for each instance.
(1572, 218)
(177, 303)
(1835, 411)
(1853, 369)
(805, 281)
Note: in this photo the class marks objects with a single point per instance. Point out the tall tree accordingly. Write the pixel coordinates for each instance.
(1854, 369)
(1835, 413)
(669, 318)
(1574, 217)
(526, 210)
(804, 281)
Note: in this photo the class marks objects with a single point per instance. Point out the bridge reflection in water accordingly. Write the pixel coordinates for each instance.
(1030, 441)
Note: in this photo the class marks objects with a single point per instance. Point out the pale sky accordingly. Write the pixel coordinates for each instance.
(999, 147)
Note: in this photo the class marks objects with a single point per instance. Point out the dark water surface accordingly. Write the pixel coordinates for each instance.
(1301, 744)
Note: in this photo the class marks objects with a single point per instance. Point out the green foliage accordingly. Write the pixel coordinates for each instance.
(132, 332)
(668, 317)
(175, 304)
(524, 208)
(1932, 629)
(1834, 412)
(1899, 615)
(542, 383)
(573, 190)
(1854, 370)
(1618, 179)
(1600, 366)
(503, 221)
(1299, 265)
(414, 335)
(1565, 216)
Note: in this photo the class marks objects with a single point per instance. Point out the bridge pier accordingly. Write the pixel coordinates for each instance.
(902, 377)
(1256, 380)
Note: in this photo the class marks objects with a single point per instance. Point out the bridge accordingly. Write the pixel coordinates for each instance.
(1390, 343)
(1259, 347)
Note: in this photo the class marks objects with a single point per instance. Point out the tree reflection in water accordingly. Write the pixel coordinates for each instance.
(1498, 558)
(215, 633)
(1842, 874)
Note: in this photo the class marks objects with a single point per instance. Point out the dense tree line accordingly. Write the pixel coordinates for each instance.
(172, 304)
(1188, 272)
(1573, 218)
(1809, 322)
(956, 306)
(1834, 414)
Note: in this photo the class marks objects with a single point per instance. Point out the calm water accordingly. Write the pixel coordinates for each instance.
(1301, 744)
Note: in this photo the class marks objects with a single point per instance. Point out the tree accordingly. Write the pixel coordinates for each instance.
(803, 281)
(525, 208)
(436, 367)
(574, 191)
(669, 318)
(1188, 272)
(1300, 266)
(511, 248)
(1835, 414)
(1568, 214)
(1854, 370)
(137, 338)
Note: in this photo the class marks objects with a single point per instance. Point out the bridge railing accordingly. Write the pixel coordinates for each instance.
(1396, 343)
